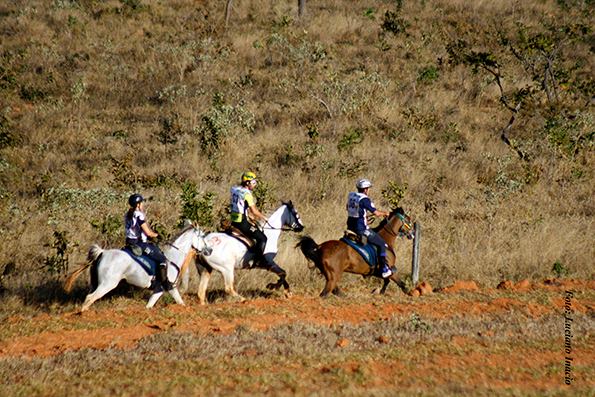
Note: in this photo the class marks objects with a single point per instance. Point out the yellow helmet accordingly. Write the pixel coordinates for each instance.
(248, 176)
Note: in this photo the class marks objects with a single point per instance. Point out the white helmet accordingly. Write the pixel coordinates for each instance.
(363, 184)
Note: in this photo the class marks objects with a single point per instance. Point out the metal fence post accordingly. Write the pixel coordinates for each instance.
(415, 254)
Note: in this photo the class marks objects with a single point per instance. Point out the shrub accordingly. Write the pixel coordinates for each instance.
(570, 133)
(109, 227)
(263, 194)
(7, 134)
(350, 139)
(428, 74)
(171, 129)
(57, 263)
(559, 269)
(220, 122)
(196, 207)
(394, 193)
(392, 23)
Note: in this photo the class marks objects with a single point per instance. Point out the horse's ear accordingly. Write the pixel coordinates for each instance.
(187, 222)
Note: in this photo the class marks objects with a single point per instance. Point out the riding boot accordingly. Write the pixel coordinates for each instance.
(162, 276)
(385, 269)
(258, 260)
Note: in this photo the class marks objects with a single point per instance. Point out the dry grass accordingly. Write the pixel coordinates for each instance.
(86, 87)
(390, 357)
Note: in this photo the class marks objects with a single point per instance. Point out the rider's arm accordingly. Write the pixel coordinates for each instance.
(147, 229)
(381, 213)
(367, 204)
(255, 212)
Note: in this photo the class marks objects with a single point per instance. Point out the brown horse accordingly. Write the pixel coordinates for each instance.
(334, 257)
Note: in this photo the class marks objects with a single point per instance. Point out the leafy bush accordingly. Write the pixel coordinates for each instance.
(350, 139)
(32, 94)
(57, 263)
(570, 133)
(393, 23)
(428, 74)
(220, 121)
(7, 135)
(264, 195)
(171, 129)
(559, 269)
(110, 228)
(196, 207)
(287, 157)
(394, 193)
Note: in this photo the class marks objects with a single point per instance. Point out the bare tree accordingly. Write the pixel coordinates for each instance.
(301, 8)
(228, 6)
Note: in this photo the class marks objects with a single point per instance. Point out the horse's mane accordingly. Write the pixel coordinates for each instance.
(393, 212)
(177, 235)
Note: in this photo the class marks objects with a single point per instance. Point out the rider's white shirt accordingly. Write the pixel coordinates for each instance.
(133, 226)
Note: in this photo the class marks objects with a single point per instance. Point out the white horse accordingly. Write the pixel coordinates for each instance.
(228, 253)
(111, 266)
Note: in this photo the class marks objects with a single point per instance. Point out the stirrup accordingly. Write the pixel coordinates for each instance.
(387, 273)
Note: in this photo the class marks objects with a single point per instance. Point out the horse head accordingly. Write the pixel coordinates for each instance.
(406, 228)
(199, 243)
(293, 219)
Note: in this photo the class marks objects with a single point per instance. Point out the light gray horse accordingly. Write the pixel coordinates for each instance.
(228, 253)
(111, 266)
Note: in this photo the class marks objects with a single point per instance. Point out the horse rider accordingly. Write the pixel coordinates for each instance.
(244, 211)
(138, 232)
(357, 205)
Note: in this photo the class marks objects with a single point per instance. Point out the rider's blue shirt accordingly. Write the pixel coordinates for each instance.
(357, 205)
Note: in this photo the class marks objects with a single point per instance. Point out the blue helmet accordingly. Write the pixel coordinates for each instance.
(135, 199)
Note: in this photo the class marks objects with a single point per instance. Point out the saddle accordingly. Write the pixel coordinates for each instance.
(360, 239)
(136, 253)
(360, 244)
(229, 229)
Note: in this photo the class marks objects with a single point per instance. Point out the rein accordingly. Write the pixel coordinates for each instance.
(282, 228)
(398, 232)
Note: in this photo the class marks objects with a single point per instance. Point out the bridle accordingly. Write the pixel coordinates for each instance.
(405, 224)
(295, 225)
(200, 236)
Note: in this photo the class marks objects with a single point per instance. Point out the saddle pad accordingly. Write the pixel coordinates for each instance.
(145, 262)
(368, 252)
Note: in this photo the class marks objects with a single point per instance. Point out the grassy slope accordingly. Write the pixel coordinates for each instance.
(90, 91)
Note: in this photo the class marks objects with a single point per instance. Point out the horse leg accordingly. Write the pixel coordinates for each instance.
(397, 281)
(205, 274)
(153, 299)
(229, 289)
(332, 279)
(99, 292)
(282, 278)
(385, 283)
(176, 295)
(337, 292)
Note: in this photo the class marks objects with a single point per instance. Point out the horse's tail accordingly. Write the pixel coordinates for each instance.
(93, 257)
(310, 249)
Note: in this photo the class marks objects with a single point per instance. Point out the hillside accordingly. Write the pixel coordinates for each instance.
(476, 118)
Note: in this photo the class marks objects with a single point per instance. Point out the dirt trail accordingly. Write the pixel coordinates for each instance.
(100, 329)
